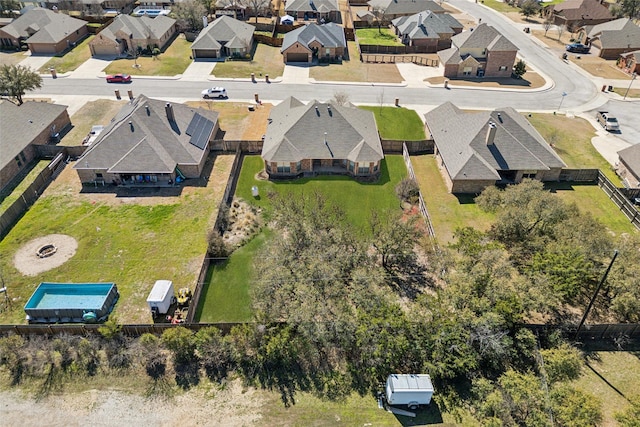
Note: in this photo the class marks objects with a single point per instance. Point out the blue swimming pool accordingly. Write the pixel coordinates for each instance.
(71, 302)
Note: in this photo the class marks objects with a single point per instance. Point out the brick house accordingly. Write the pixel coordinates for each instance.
(22, 127)
(628, 167)
(427, 29)
(321, 138)
(225, 36)
(314, 10)
(578, 13)
(478, 150)
(630, 62)
(43, 31)
(314, 41)
(396, 8)
(483, 52)
(613, 38)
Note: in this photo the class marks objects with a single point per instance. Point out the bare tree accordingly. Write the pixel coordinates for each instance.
(341, 98)
(379, 12)
(258, 6)
(189, 14)
(547, 24)
(561, 29)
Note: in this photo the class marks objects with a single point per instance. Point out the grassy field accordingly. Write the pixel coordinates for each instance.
(599, 67)
(353, 70)
(382, 37)
(98, 112)
(447, 211)
(613, 377)
(226, 293)
(7, 201)
(571, 139)
(70, 60)
(12, 58)
(171, 62)
(266, 60)
(500, 6)
(397, 123)
(633, 93)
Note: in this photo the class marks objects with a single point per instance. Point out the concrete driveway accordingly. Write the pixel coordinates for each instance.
(91, 68)
(35, 61)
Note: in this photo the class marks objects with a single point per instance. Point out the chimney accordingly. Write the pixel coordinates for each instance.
(491, 133)
(169, 109)
(500, 117)
(419, 20)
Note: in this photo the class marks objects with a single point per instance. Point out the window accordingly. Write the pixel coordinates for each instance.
(284, 167)
(19, 162)
(352, 166)
(298, 166)
(466, 71)
(503, 68)
(363, 170)
(23, 157)
(484, 51)
(98, 175)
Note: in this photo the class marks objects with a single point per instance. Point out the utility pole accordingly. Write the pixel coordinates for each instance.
(595, 294)
(633, 77)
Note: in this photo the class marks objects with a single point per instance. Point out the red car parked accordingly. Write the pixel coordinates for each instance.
(119, 78)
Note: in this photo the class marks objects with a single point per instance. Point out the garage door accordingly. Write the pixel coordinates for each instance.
(105, 50)
(297, 57)
(205, 53)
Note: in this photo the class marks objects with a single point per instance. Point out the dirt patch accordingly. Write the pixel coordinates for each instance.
(27, 261)
(598, 67)
(244, 222)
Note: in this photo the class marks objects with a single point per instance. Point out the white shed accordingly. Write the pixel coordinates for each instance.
(412, 390)
(161, 297)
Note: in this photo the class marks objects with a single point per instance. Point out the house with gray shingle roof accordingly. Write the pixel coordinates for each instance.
(150, 143)
(628, 167)
(319, 138)
(44, 31)
(314, 41)
(613, 38)
(396, 8)
(130, 33)
(482, 52)
(578, 13)
(21, 128)
(630, 62)
(225, 36)
(477, 150)
(314, 10)
(427, 29)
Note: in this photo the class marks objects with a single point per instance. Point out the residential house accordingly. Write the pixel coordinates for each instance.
(319, 138)
(129, 34)
(93, 8)
(630, 62)
(314, 41)
(225, 36)
(477, 150)
(628, 167)
(578, 13)
(613, 38)
(150, 143)
(22, 127)
(432, 30)
(396, 8)
(318, 10)
(482, 52)
(43, 31)
(232, 8)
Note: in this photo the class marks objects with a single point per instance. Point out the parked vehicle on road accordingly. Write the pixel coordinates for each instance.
(578, 48)
(214, 92)
(118, 78)
(608, 121)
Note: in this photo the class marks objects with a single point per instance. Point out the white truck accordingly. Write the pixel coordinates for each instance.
(161, 297)
(411, 390)
(608, 121)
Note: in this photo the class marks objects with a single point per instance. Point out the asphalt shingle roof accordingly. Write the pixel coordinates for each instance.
(20, 125)
(621, 33)
(140, 139)
(405, 7)
(138, 28)
(226, 31)
(50, 27)
(321, 131)
(461, 141)
(312, 6)
(631, 157)
(432, 25)
(484, 36)
(329, 35)
(577, 9)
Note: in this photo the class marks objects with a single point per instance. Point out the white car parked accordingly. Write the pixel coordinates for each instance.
(214, 92)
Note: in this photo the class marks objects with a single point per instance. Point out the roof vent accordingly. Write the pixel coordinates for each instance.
(317, 111)
(329, 110)
(500, 117)
(491, 133)
(131, 125)
(148, 110)
(169, 109)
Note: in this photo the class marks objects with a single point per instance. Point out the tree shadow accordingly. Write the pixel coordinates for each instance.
(408, 278)
(187, 375)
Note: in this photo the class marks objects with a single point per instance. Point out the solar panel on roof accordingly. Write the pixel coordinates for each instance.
(199, 130)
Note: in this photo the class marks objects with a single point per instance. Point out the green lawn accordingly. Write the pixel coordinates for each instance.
(571, 139)
(398, 123)
(447, 211)
(171, 62)
(7, 201)
(70, 60)
(384, 37)
(613, 377)
(225, 296)
(500, 6)
(266, 60)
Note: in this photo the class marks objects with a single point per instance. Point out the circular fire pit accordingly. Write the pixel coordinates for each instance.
(46, 251)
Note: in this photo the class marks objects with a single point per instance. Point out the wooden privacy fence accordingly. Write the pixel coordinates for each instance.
(421, 204)
(390, 146)
(393, 59)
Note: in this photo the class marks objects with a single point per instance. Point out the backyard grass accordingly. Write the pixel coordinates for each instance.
(373, 36)
(353, 70)
(36, 168)
(613, 377)
(266, 60)
(70, 60)
(397, 123)
(571, 138)
(447, 211)
(98, 112)
(171, 62)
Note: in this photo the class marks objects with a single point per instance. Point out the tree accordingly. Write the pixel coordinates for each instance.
(631, 416)
(575, 408)
(340, 98)
(525, 398)
(561, 29)
(181, 342)
(529, 8)
(7, 7)
(547, 24)
(258, 6)
(379, 12)
(393, 238)
(189, 14)
(562, 364)
(520, 68)
(407, 190)
(630, 8)
(209, 5)
(16, 80)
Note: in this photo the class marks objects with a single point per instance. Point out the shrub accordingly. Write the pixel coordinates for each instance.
(407, 190)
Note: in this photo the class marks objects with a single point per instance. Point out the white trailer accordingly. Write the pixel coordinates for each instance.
(161, 297)
(412, 390)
